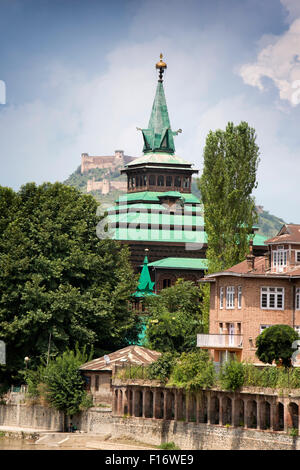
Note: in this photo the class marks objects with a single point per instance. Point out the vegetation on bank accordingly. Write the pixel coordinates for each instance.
(195, 370)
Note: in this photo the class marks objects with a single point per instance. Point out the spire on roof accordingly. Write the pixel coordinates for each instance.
(159, 136)
(145, 285)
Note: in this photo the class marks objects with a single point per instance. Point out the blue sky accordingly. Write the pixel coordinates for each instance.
(80, 77)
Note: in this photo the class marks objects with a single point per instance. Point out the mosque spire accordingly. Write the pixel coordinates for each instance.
(158, 137)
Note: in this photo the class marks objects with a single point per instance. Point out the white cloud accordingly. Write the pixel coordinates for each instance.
(279, 61)
(293, 8)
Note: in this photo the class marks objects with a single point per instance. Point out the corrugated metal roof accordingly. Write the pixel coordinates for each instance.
(131, 355)
(159, 157)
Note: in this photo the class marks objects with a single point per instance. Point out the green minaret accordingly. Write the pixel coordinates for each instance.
(159, 136)
(145, 285)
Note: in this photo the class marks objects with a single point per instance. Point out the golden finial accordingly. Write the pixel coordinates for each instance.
(161, 65)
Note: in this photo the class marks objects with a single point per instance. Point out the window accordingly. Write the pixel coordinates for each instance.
(168, 180)
(177, 182)
(220, 328)
(230, 297)
(263, 327)
(297, 256)
(297, 302)
(152, 180)
(186, 182)
(240, 297)
(166, 283)
(280, 257)
(272, 298)
(160, 180)
(221, 297)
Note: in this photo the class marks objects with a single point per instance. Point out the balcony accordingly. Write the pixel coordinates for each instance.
(207, 341)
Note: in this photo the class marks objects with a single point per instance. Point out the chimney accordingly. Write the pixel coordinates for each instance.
(267, 262)
(250, 258)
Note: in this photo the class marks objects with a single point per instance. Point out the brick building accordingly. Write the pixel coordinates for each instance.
(253, 295)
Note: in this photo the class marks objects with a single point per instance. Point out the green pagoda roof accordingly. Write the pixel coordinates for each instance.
(180, 263)
(145, 285)
(160, 158)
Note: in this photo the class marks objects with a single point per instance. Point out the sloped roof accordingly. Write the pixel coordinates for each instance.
(289, 233)
(131, 355)
(160, 159)
(180, 263)
(244, 270)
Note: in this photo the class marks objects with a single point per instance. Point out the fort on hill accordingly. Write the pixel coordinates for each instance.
(111, 162)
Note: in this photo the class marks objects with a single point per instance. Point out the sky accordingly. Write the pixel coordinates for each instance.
(78, 76)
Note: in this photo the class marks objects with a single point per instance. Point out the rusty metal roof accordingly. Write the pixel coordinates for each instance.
(131, 355)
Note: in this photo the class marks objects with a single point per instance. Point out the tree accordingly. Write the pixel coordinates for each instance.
(65, 384)
(275, 344)
(59, 284)
(229, 176)
(175, 318)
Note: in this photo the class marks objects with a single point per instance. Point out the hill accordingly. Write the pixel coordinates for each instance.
(269, 224)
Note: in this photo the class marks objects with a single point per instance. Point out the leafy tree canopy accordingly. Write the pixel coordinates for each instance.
(175, 318)
(58, 278)
(228, 179)
(275, 344)
(60, 382)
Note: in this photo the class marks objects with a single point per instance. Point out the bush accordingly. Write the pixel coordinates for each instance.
(193, 370)
(232, 375)
(162, 368)
(168, 446)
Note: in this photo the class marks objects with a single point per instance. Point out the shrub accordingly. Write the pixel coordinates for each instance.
(193, 370)
(162, 368)
(232, 375)
(168, 446)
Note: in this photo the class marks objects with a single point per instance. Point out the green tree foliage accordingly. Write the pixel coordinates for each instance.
(275, 344)
(162, 368)
(60, 382)
(193, 370)
(228, 179)
(57, 277)
(232, 375)
(175, 318)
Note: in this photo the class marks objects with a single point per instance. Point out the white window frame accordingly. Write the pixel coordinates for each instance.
(297, 253)
(263, 327)
(230, 297)
(297, 299)
(280, 257)
(221, 298)
(239, 296)
(269, 292)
